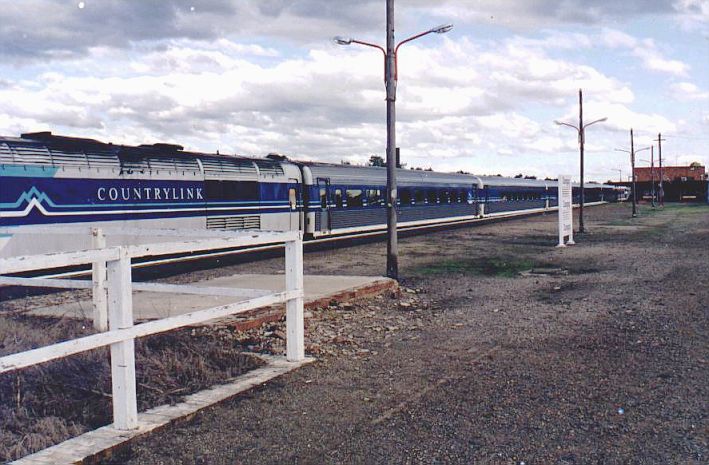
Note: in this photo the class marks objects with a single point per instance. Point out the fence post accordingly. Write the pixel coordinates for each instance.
(98, 274)
(295, 345)
(120, 310)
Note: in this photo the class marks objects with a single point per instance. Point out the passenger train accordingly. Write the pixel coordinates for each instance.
(47, 181)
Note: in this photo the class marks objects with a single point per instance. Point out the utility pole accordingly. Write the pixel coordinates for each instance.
(652, 173)
(661, 193)
(632, 166)
(390, 78)
(581, 142)
(632, 153)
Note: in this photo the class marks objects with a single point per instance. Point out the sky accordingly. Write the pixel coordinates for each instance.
(252, 77)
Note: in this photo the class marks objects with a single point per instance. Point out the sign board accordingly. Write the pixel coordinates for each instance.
(566, 208)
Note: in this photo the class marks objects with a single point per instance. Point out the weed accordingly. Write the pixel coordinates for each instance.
(49, 403)
(506, 267)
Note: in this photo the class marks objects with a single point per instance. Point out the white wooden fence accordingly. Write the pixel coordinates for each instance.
(118, 288)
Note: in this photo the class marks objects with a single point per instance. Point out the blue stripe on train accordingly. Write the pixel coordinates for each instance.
(23, 200)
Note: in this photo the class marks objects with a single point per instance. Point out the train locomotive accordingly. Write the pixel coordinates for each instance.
(47, 181)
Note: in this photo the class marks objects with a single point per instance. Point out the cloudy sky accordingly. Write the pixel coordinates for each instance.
(259, 76)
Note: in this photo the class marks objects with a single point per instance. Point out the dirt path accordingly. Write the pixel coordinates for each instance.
(598, 356)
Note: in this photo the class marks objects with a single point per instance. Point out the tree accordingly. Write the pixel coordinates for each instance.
(376, 160)
(695, 164)
(519, 176)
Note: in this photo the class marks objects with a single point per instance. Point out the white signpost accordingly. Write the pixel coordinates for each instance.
(566, 209)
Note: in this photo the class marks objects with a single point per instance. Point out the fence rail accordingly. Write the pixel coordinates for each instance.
(113, 289)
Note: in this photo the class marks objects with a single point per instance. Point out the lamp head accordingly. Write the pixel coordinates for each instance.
(442, 29)
(339, 40)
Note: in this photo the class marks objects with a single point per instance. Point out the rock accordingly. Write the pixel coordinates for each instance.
(341, 340)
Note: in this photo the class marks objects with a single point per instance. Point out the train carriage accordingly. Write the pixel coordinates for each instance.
(47, 179)
(343, 199)
(504, 195)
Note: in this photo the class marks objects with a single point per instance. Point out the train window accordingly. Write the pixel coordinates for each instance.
(445, 196)
(323, 197)
(405, 196)
(419, 196)
(355, 198)
(338, 198)
(292, 199)
(431, 196)
(374, 197)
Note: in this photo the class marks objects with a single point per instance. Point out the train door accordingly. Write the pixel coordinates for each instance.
(324, 196)
(294, 201)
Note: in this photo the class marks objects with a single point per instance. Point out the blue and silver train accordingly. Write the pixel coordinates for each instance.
(47, 181)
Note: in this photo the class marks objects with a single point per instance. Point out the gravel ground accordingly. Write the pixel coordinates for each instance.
(501, 349)
(598, 355)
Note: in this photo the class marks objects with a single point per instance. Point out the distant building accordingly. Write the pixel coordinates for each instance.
(693, 172)
(679, 183)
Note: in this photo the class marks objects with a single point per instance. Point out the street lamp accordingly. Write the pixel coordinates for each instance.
(632, 153)
(390, 80)
(652, 173)
(581, 130)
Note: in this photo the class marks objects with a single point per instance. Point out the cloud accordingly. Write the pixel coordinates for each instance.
(459, 101)
(58, 29)
(688, 91)
(235, 76)
(693, 13)
(646, 50)
(520, 14)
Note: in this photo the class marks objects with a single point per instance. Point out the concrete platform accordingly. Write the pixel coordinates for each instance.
(319, 291)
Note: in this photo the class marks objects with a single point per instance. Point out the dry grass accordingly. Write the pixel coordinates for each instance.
(43, 405)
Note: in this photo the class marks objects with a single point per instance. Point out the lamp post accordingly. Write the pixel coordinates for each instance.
(652, 172)
(661, 193)
(581, 130)
(632, 153)
(390, 80)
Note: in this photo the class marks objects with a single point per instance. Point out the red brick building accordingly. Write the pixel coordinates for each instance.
(680, 184)
(672, 173)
